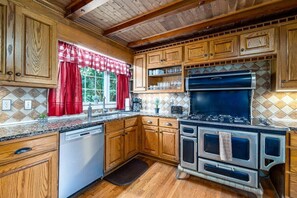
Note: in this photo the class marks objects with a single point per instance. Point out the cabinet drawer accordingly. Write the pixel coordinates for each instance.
(171, 123)
(292, 185)
(293, 160)
(26, 147)
(293, 139)
(131, 122)
(150, 121)
(114, 126)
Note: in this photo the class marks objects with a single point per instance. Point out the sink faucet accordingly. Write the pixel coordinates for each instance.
(104, 110)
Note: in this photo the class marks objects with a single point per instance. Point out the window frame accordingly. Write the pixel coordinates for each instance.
(106, 93)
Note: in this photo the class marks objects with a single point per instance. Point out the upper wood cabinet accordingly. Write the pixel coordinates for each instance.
(257, 42)
(196, 52)
(36, 48)
(6, 41)
(223, 48)
(286, 71)
(167, 57)
(139, 73)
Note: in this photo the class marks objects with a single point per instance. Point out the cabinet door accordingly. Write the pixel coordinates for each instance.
(154, 59)
(139, 73)
(257, 42)
(6, 40)
(287, 61)
(196, 52)
(131, 142)
(114, 149)
(224, 48)
(150, 140)
(172, 56)
(36, 49)
(34, 177)
(169, 144)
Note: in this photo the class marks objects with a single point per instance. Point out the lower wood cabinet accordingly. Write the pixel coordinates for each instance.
(168, 143)
(291, 165)
(150, 140)
(114, 149)
(32, 173)
(120, 143)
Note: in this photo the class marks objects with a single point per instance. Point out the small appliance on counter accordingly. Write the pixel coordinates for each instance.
(136, 104)
(127, 104)
(176, 110)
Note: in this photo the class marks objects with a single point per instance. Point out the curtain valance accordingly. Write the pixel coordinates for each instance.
(84, 58)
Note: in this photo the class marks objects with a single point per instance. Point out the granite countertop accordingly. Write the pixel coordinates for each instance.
(62, 124)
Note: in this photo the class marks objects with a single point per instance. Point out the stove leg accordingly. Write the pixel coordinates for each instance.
(180, 175)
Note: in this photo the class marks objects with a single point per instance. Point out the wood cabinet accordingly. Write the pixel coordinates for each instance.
(222, 48)
(291, 165)
(139, 73)
(160, 138)
(257, 42)
(196, 52)
(286, 69)
(114, 149)
(36, 48)
(168, 143)
(6, 41)
(167, 57)
(33, 173)
(121, 141)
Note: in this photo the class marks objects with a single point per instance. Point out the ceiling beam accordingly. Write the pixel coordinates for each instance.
(78, 8)
(248, 13)
(164, 10)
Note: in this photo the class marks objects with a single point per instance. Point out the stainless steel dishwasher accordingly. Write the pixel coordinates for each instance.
(81, 159)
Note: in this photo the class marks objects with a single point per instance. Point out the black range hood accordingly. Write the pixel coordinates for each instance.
(238, 80)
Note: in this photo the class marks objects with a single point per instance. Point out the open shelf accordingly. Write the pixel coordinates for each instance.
(170, 74)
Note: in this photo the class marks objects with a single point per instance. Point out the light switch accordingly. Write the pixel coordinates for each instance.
(6, 105)
(28, 105)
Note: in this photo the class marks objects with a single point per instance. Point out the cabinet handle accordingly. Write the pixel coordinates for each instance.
(156, 131)
(168, 124)
(242, 49)
(18, 74)
(149, 122)
(9, 73)
(23, 150)
(126, 133)
(205, 55)
(211, 54)
(161, 131)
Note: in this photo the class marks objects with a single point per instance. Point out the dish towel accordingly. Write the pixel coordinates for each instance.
(225, 146)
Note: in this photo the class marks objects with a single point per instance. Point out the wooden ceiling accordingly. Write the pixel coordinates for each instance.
(139, 23)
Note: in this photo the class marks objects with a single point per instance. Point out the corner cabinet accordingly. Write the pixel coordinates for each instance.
(286, 70)
(36, 48)
(139, 73)
(29, 167)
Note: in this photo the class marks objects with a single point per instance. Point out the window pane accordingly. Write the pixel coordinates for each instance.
(112, 96)
(99, 83)
(84, 95)
(89, 71)
(99, 93)
(89, 95)
(90, 82)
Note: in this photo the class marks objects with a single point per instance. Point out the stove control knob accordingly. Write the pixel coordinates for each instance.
(221, 119)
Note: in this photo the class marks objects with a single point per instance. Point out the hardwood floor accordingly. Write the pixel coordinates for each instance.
(159, 181)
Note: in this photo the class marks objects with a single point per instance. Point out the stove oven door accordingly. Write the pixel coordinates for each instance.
(244, 146)
(188, 152)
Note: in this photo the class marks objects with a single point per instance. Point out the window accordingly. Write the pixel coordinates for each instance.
(96, 85)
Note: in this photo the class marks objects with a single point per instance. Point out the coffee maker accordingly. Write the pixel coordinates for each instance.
(136, 104)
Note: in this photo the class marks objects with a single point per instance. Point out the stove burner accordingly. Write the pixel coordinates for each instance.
(219, 118)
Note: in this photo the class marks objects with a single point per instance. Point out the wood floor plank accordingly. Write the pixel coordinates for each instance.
(159, 182)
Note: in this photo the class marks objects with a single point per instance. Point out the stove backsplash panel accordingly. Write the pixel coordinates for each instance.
(266, 104)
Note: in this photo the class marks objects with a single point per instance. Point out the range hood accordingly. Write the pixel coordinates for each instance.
(238, 80)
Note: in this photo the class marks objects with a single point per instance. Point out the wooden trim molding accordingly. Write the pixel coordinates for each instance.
(162, 11)
(247, 13)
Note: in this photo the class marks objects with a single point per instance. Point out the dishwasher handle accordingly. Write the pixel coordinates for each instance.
(82, 133)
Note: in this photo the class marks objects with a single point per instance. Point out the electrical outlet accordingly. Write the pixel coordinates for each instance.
(6, 105)
(28, 105)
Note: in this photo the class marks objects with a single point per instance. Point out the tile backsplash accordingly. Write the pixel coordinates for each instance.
(18, 95)
(266, 104)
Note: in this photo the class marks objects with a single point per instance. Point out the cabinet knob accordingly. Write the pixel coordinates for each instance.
(211, 54)
(161, 131)
(168, 124)
(18, 74)
(149, 122)
(242, 49)
(9, 73)
(205, 55)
